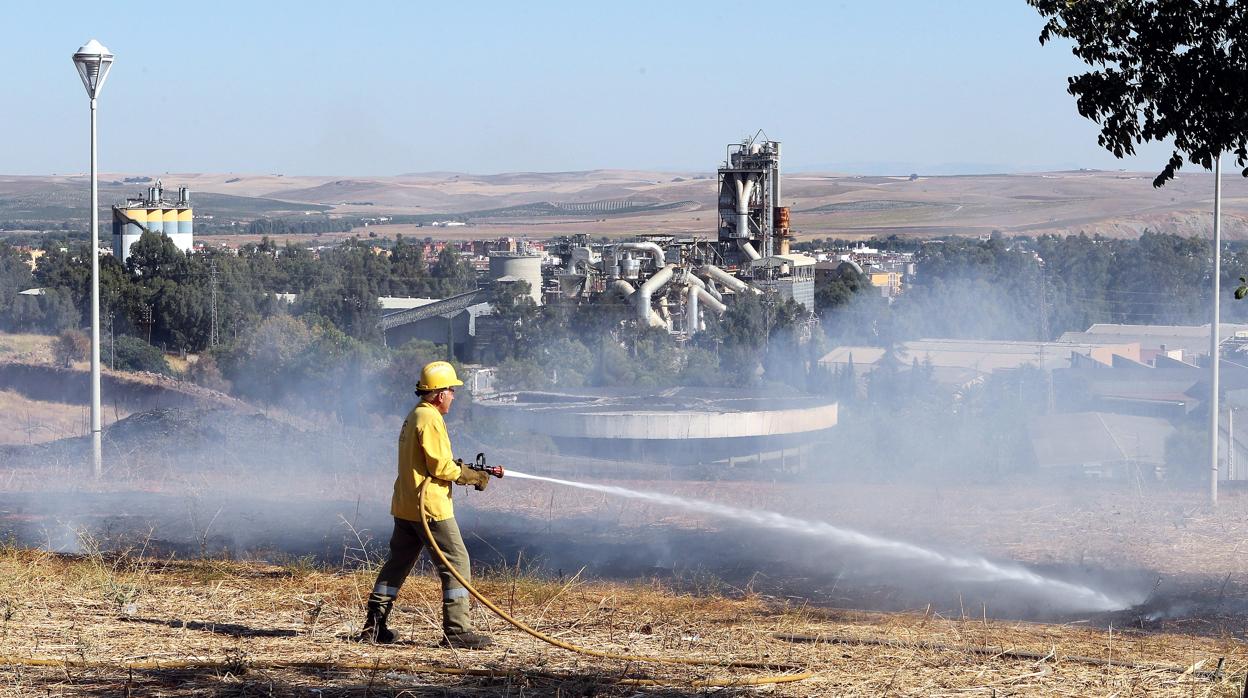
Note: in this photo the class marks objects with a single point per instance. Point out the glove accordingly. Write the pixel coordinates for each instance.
(476, 478)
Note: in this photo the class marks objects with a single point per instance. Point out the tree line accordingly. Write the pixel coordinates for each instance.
(165, 295)
(1031, 289)
(1016, 288)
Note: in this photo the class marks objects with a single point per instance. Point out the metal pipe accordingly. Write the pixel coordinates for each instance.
(706, 291)
(708, 285)
(723, 277)
(646, 291)
(691, 311)
(747, 249)
(711, 302)
(652, 248)
(710, 288)
(687, 276)
(622, 287)
(775, 184)
(745, 189)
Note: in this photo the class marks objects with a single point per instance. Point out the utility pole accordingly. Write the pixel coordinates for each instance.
(146, 319)
(1214, 327)
(1044, 337)
(212, 333)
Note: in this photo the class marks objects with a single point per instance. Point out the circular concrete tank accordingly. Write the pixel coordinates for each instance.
(678, 426)
(518, 265)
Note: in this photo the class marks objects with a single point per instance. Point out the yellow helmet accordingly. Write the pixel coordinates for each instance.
(436, 376)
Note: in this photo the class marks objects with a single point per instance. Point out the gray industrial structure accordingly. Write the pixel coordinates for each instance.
(672, 282)
(461, 322)
(450, 321)
(681, 426)
(522, 266)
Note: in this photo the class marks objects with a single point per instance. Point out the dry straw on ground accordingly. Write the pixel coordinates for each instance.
(130, 625)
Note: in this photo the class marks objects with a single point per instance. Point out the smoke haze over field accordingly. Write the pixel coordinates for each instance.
(942, 473)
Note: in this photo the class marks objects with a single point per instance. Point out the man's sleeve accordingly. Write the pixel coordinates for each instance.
(437, 450)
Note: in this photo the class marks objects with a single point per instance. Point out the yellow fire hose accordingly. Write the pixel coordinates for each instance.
(692, 661)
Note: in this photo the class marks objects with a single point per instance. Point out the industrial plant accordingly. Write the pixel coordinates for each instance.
(153, 213)
(671, 282)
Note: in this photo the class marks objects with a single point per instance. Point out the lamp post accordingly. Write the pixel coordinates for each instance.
(1214, 326)
(93, 62)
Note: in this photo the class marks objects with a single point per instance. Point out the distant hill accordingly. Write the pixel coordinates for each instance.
(824, 205)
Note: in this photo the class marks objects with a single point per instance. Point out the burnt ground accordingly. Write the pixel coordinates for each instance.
(783, 568)
(173, 488)
(202, 439)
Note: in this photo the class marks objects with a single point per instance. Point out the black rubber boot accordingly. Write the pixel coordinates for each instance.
(467, 640)
(375, 629)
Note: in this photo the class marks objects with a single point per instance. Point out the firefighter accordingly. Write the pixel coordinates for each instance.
(425, 459)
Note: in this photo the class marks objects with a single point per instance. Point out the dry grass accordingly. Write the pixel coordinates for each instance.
(241, 620)
(30, 348)
(26, 421)
(1115, 204)
(245, 619)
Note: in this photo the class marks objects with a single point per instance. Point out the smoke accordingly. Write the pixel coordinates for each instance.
(313, 475)
(955, 438)
(1062, 595)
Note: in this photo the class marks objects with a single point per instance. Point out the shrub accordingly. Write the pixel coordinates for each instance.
(206, 373)
(71, 346)
(133, 354)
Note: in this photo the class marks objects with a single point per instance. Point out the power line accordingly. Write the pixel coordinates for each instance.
(212, 335)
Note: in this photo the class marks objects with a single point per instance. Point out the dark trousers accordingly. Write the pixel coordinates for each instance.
(406, 543)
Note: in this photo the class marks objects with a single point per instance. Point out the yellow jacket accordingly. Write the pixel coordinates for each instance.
(424, 455)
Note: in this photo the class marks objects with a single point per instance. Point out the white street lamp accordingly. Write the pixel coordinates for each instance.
(1214, 326)
(93, 62)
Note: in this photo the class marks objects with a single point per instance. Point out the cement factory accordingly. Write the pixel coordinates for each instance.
(672, 283)
(153, 213)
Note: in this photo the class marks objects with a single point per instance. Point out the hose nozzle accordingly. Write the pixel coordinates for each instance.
(479, 465)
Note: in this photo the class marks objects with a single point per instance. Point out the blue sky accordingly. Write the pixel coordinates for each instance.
(331, 88)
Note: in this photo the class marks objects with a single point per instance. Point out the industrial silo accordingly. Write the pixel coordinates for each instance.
(128, 225)
(153, 214)
(129, 221)
(519, 266)
(155, 218)
(185, 239)
(169, 217)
